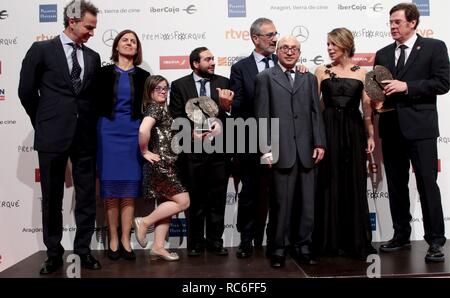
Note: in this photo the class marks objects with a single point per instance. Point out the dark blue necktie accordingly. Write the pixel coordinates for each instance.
(203, 87)
(401, 59)
(76, 69)
(266, 61)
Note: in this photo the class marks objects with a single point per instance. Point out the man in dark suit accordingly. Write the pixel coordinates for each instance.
(421, 70)
(293, 99)
(206, 174)
(57, 93)
(253, 198)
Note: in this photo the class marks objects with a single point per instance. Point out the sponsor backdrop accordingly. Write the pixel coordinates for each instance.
(169, 30)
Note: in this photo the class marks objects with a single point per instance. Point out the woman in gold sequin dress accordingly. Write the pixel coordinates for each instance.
(160, 174)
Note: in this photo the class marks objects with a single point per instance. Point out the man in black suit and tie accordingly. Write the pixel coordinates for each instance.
(205, 174)
(293, 99)
(56, 91)
(253, 198)
(420, 67)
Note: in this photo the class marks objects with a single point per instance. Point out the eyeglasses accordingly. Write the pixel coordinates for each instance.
(161, 89)
(286, 49)
(397, 23)
(270, 35)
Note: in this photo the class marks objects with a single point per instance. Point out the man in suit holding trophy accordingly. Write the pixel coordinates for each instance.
(409, 127)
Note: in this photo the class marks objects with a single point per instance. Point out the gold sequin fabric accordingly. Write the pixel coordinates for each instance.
(161, 179)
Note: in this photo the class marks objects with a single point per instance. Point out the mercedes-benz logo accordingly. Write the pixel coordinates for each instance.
(301, 33)
(108, 37)
(190, 9)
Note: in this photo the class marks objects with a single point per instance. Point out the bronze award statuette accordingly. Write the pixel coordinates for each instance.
(202, 111)
(374, 87)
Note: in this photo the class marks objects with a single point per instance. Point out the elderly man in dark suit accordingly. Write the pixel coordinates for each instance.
(409, 131)
(293, 99)
(56, 91)
(205, 174)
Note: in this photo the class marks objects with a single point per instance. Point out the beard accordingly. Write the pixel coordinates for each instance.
(204, 73)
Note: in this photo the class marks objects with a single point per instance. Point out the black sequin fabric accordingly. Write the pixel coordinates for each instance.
(161, 179)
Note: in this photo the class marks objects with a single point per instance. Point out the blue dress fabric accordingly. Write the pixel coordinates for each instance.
(119, 160)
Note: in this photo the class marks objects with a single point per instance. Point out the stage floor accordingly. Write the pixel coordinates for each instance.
(407, 263)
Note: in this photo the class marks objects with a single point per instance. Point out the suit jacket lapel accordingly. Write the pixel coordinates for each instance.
(298, 83)
(60, 56)
(412, 56)
(87, 67)
(191, 88)
(391, 62)
(280, 78)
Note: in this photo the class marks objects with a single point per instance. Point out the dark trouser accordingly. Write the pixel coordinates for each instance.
(253, 198)
(52, 170)
(207, 183)
(292, 209)
(397, 154)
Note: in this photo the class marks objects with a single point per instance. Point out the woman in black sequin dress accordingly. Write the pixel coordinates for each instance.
(160, 174)
(342, 223)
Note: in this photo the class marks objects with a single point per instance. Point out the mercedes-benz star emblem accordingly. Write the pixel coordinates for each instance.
(108, 37)
(301, 33)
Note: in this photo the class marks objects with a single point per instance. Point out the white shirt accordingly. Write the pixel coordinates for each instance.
(409, 43)
(68, 49)
(261, 64)
(197, 80)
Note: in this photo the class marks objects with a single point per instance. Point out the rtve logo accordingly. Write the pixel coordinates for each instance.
(237, 34)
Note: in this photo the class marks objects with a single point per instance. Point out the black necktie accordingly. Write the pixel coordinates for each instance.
(76, 69)
(401, 59)
(289, 75)
(203, 87)
(266, 61)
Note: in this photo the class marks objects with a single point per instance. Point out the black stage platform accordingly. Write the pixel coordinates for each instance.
(407, 263)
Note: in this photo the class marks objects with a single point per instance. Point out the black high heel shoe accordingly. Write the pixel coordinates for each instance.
(113, 255)
(127, 255)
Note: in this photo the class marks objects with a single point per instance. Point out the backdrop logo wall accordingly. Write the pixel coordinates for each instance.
(317, 60)
(174, 62)
(237, 9)
(228, 61)
(44, 36)
(377, 7)
(190, 9)
(108, 37)
(178, 227)
(0, 67)
(364, 59)
(301, 33)
(237, 34)
(3, 14)
(373, 220)
(423, 6)
(2, 94)
(48, 13)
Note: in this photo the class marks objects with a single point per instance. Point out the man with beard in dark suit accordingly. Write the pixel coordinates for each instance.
(409, 131)
(205, 174)
(253, 198)
(57, 93)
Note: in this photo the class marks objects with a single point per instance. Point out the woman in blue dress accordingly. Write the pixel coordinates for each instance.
(120, 88)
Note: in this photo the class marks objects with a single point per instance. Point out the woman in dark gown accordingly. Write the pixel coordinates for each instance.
(160, 175)
(342, 223)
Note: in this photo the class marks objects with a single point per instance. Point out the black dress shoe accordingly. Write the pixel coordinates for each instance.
(218, 250)
(395, 245)
(194, 252)
(307, 259)
(51, 265)
(435, 254)
(244, 251)
(277, 261)
(89, 262)
(127, 255)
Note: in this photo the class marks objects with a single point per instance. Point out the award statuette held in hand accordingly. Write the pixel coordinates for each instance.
(202, 111)
(374, 87)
